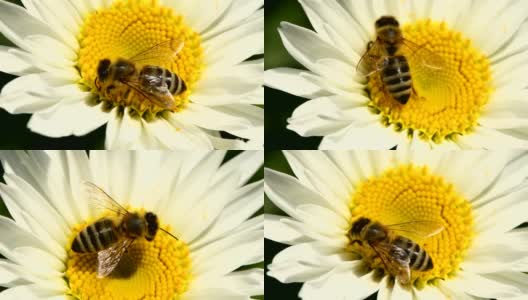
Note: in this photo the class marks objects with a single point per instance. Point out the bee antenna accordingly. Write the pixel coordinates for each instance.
(169, 233)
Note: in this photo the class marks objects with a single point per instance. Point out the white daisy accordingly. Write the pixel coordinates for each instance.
(478, 197)
(485, 57)
(206, 204)
(60, 44)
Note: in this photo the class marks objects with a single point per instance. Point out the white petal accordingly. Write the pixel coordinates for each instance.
(228, 85)
(239, 11)
(287, 192)
(371, 136)
(15, 62)
(174, 134)
(228, 254)
(65, 119)
(282, 232)
(328, 115)
(307, 261)
(343, 282)
(306, 46)
(290, 81)
(214, 118)
(217, 294)
(248, 200)
(237, 44)
(490, 139)
(244, 165)
(315, 170)
(480, 286)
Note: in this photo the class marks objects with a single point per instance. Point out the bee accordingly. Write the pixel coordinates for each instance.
(399, 254)
(390, 55)
(110, 237)
(117, 79)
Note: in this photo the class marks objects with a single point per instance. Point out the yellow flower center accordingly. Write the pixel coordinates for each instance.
(130, 27)
(408, 193)
(449, 88)
(160, 269)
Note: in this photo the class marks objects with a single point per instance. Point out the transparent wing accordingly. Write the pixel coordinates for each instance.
(372, 61)
(160, 96)
(395, 259)
(417, 230)
(108, 259)
(159, 53)
(420, 56)
(428, 70)
(99, 199)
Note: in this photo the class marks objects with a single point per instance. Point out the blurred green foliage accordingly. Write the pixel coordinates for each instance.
(279, 105)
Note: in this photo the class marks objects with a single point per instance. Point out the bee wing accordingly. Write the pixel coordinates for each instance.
(395, 259)
(108, 259)
(372, 61)
(417, 230)
(428, 70)
(421, 56)
(99, 199)
(160, 96)
(158, 53)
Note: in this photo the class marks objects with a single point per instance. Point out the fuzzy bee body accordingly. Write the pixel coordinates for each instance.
(110, 237)
(123, 80)
(389, 55)
(399, 254)
(155, 79)
(95, 237)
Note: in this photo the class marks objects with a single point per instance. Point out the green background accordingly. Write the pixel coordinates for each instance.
(257, 176)
(280, 105)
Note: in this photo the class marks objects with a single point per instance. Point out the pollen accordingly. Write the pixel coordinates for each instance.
(160, 269)
(451, 83)
(127, 28)
(409, 193)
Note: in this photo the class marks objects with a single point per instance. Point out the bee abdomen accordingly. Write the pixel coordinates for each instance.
(95, 237)
(175, 83)
(420, 260)
(397, 78)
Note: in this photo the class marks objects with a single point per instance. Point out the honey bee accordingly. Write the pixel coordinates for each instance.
(111, 236)
(116, 80)
(399, 254)
(390, 56)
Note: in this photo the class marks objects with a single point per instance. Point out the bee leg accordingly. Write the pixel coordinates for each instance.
(369, 45)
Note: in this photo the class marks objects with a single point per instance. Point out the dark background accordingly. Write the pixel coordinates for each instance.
(280, 105)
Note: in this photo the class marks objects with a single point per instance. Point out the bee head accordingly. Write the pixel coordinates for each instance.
(357, 226)
(152, 226)
(388, 29)
(103, 69)
(387, 20)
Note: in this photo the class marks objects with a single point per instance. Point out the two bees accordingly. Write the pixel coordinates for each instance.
(110, 237)
(389, 56)
(398, 254)
(116, 80)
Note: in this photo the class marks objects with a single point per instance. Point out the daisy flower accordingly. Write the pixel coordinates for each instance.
(478, 197)
(474, 99)
(61, 43)
(207, 205)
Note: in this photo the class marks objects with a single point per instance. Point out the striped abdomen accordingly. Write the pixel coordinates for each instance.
(95, 237)
(156, 79)
(419, 259)
(397, 78)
